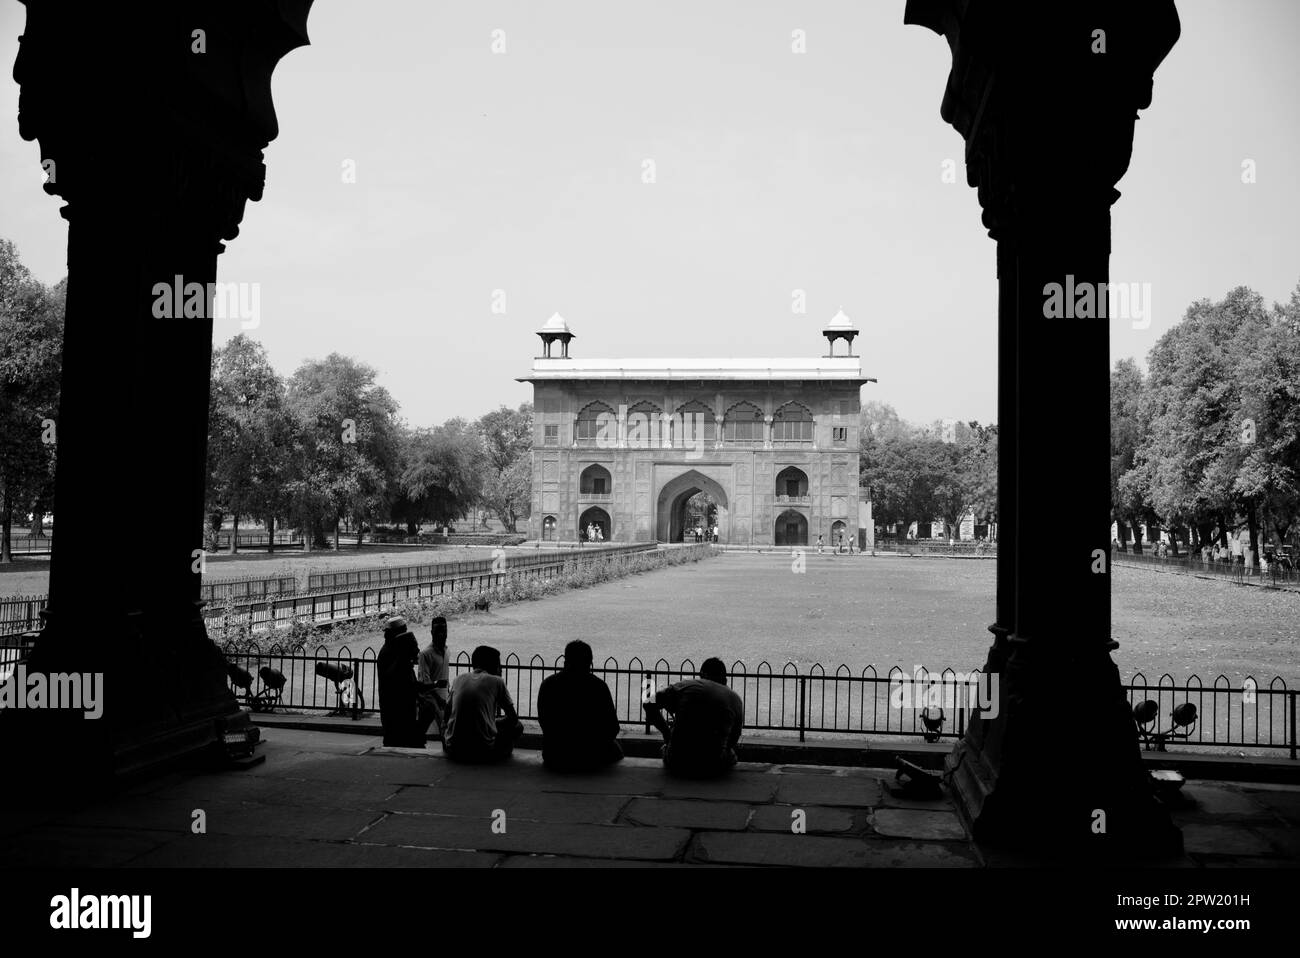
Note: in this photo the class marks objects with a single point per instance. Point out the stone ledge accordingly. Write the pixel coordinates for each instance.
(855, 752)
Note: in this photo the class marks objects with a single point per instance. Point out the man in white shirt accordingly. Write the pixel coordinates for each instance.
(474, 732)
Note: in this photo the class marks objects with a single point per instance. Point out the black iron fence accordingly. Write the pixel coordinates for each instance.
(443, 538)
(396, 575)
(274, 601)
(30, 545)
(258, 540)
(248, 590)
(21, 613)
(940, 547)
(1276, 576)
(931, 705)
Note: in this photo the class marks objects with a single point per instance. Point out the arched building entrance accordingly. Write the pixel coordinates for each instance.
(791, 529)
(670, 508)
(600, 519)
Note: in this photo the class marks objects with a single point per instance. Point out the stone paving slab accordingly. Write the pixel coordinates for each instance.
(812, 851)
(681, 813)
(817, 819)
(55, 846)
(1201, 801)
(838, 790)
(305, 793)
(738, 786)
(341, 803)
(594, 841)
(1285, 805)
(247, 820)
(918, 824)
(391, 769)
(442, 799)
(227, 851)
(1223, 840)
(564, 861)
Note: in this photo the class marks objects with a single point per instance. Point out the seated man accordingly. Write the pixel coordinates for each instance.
(433, 678)
(707, 718)
(579, 724)
(395, 668)
(473, 732)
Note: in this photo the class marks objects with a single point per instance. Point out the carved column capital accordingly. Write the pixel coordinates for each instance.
(155, 110)
(1047, 111)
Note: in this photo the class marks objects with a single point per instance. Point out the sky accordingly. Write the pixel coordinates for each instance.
(516, 178)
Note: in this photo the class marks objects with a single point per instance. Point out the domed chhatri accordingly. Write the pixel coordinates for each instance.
(555, 328)
(840, 327)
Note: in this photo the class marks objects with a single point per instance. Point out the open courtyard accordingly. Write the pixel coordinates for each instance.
(879, 611)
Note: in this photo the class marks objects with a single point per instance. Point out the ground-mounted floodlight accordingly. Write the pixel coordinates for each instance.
(345, 689)
(1147, 716)
(933, 724)
(273, 683)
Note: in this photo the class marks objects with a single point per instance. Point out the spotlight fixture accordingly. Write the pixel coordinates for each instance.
(347, 695)
(933, 724)
(1147, 716)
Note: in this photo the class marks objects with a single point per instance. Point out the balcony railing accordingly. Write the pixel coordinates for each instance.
(596, 496)
(792, 500)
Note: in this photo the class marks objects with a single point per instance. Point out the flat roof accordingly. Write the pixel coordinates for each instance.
(819, 369)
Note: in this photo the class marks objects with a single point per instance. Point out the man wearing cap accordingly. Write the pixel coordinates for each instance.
(395, 667)
(433, 677)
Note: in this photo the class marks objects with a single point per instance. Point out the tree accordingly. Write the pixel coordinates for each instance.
(509, 492)
(507, 438)
(1128, 428)
(979, 471)
(31, 351)
(441, 477)
(345, 449)
(1193, 465)
(1268, 471)
(908, 478)
(249, 436)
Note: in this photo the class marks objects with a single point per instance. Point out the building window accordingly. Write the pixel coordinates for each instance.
(840, 435)
(791, 483)
(644, 426)
(551, 436)
(792, 424)
(597, 424)
(692, 424)
(744, 425)
(595, 481)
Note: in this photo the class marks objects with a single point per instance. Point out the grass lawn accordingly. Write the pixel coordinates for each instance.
(881, 611)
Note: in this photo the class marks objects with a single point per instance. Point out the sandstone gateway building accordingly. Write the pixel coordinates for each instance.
(623, 445)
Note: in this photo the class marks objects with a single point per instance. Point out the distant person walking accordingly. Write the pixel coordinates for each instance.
(576, 710)
(819, 545)
(482, 724)
(705, 723)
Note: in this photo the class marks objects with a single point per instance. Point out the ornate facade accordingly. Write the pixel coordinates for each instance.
(622, 445)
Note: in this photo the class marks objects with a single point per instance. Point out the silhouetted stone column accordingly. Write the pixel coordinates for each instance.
(155, 115)
(1046, 96)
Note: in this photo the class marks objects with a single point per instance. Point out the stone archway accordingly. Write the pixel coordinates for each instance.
(670, 507)
(791, 529)
(598, 517)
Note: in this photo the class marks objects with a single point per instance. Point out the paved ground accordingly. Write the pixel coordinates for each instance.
(330, 799)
